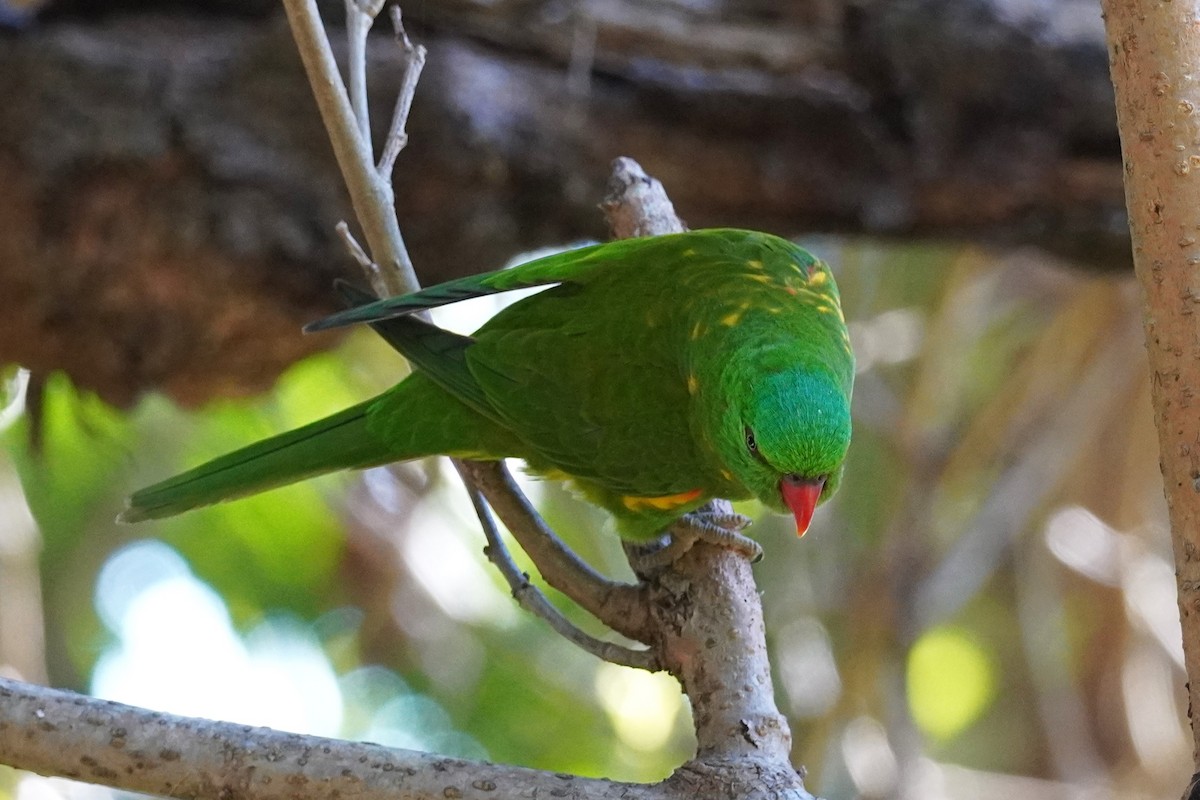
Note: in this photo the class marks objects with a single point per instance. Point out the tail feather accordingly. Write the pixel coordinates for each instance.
(339, 441)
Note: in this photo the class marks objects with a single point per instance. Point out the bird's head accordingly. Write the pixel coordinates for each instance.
(785, 435)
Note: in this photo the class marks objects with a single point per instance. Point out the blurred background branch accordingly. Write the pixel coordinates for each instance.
(140, 140)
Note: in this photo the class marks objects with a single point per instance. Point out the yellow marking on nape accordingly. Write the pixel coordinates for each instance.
(754, 263)
(795, 284)
(731, 319)
(691, 251)
(664, 503)
(819, 278)
(824, 309)
(726, 474)
(692, 384)
(698, 330)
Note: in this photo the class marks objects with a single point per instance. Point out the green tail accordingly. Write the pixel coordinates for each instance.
(339, 441)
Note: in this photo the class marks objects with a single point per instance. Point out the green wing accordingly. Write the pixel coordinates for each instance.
(577, 267)
(599, 375)
(438, 353)
(570, 266)
(590, 373)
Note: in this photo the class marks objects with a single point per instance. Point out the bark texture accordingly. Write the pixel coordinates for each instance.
(73, 736)
(1154, 48)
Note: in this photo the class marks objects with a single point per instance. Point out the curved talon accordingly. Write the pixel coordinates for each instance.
(727, 521)
(659, 554)
(720, 529)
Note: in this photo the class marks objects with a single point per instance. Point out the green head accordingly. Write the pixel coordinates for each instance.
(785, 433)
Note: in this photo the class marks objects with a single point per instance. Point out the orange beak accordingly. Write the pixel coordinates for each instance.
(801, 495)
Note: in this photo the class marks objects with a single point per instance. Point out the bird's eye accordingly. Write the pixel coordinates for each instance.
(751, 445)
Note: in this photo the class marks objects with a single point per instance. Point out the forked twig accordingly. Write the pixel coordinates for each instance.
(357, 252)
(533, 600)
(371, 196)
(620, 606)
(414, 62)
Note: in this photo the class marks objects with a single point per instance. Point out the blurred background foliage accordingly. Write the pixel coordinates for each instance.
(985, 610)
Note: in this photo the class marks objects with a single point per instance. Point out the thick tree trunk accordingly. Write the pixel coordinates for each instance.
(166, 219)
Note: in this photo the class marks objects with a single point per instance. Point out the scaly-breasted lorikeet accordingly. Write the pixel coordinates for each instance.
(655, 374)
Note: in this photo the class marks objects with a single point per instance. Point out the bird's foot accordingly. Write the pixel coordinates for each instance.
(720, 528)
(713, 527)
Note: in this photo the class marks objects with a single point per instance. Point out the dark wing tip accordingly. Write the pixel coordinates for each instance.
(132, 514)
(366, 308)
(335, 321)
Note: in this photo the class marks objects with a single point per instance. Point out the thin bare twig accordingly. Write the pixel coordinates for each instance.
(533, 600)
(612, 603)
(375, 276)
(620, 606)
(571, 575)
(360, 16)
(371, 196)
(414, 62)
(354, 249)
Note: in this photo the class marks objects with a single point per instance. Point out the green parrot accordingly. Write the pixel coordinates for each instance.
(655, 374)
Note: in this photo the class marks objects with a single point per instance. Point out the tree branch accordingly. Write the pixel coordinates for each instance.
(620, 606)
(370, 193)
(360, 16)
(1153, 49)
(729, 681)
(636, 204)
(700, 616)
(614, 604)
(531, 598)
(414, 63)
(55, 732)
